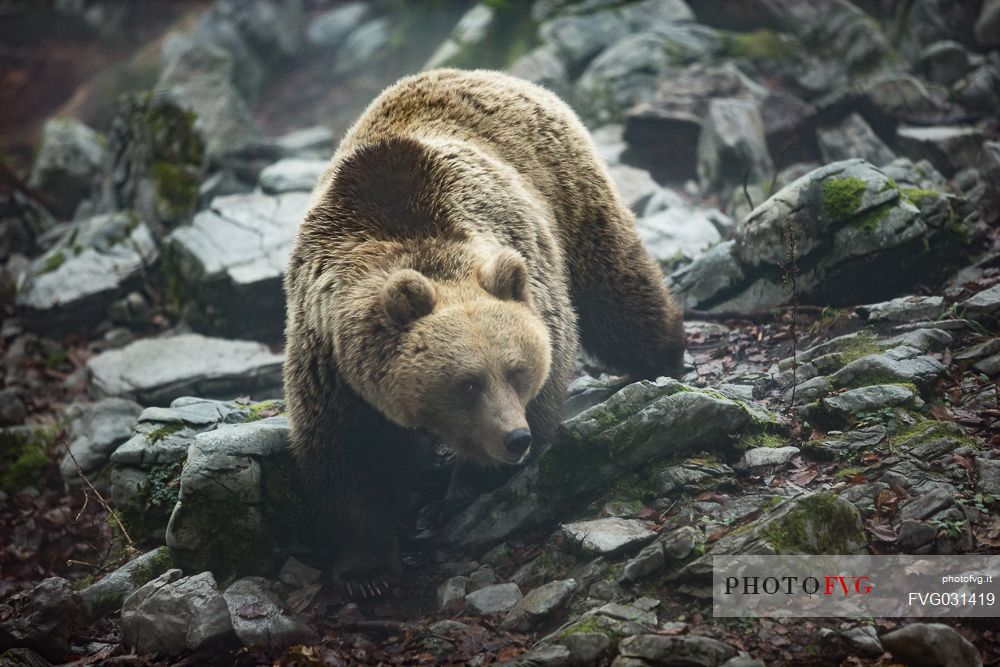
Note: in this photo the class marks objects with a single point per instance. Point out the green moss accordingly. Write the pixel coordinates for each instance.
(850, 471)
(759, 45)
(914, 195)
(154, 567)
(24, 454)
(871, 219)
(842, 196)
(589, 625)
(176, 188)
(927, 430)
(51, 263)
(162, 432)
(754, 440)
(820, 523)
(255, 411)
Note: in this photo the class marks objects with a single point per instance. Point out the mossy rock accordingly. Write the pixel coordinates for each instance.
(24, 455)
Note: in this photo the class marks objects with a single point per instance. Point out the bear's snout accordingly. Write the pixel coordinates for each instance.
(518, 442)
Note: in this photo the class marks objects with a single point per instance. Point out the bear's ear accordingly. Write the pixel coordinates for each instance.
(384, 183)
(505, 276)
(406, 296)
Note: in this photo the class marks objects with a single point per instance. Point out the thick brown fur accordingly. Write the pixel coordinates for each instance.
(464, 226)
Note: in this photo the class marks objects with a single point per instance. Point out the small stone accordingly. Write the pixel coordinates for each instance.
(46, 620)
(853, 138)
(905, 309)
(693, 477)
(864, 639)
(928, 504)
(931, 645)
(987, 28)
(988, 471)
(481, 578)
(12, 410)
(543, 655)
(95, 431)
(983, 307)
(448, 627)
(947, 148)
(624, 612)
(867, 399)
(172, 615)
(291, 175)
(732, 148)
(328, 30)
(108, 593)
(767, 456)
(587, 648)
(451, 593)
(608, 536)
(493, 599)
(538, 604)
(258, 618)
(69, 156)
(686, 650)
(296, 574)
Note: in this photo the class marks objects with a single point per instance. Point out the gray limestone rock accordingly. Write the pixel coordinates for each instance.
(238, 506)
(107, 593)
(732, 148)
(292, 175)
(68, 158)
(71, 286)
(538, 604)
(853, 138)
(606, 537)
(227, 266)
(947, 148)
(688, 650)
(493, 599)
(172, 615)
(331, 28)
(983, 307)
(905, 309)
(642, 423)
(931, 645)
(95, 431)
(157, 370)
(259, 618)
(46, 620)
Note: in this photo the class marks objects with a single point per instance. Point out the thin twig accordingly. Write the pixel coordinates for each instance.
(746, 193)
(790, 271)
(130, 546)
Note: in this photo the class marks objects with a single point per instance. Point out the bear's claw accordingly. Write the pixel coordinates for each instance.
(366, 587)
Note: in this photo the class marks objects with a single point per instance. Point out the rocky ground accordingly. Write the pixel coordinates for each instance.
(819, 181)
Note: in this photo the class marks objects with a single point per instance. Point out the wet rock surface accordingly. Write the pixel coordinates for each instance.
(819, 183)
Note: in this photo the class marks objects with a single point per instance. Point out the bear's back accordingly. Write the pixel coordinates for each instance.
(515, 121)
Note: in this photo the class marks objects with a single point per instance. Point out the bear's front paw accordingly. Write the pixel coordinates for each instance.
(366, 578)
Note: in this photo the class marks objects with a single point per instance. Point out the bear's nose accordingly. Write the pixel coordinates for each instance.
(518, 441)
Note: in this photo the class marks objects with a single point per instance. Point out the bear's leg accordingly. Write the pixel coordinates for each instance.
(352, 465)
(627, 318)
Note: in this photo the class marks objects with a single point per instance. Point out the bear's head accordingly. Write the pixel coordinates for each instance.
(470, 356)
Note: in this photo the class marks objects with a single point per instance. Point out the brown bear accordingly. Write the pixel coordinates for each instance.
(463, 234)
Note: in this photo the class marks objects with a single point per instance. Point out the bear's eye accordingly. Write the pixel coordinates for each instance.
(470, 387)
(518, 377)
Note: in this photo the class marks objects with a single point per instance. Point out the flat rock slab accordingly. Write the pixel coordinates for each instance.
(767, 456)
(69, 288)
(905, 309)
(158, 370)
(226, 266)
(931, 645)
(608, 536)
(493, 599)
(292, 175)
